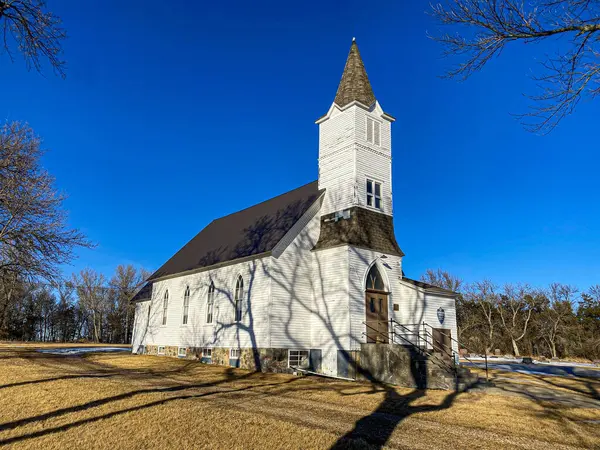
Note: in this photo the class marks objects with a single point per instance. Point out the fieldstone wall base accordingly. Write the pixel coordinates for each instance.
(402, 366)
(262, 359)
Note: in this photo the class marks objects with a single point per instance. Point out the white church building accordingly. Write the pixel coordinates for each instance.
(308, 278)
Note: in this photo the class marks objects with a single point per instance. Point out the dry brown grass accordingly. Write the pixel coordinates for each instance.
(136, 402)
(18, 344)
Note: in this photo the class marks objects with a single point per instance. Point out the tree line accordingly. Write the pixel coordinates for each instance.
(86, 307)
(556, 321)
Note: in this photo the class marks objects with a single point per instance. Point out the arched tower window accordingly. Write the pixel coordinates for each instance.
(165, 307)
(374, 279)
(186, 305)
(210, 303)
(239, 296)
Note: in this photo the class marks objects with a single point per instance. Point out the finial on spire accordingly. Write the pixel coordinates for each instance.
(354, 85)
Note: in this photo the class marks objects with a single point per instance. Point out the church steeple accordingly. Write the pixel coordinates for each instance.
(354, 85)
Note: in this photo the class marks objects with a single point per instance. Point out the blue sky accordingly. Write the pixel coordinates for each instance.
(176, 113)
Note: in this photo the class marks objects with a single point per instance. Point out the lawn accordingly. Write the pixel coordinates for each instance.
(118, 401)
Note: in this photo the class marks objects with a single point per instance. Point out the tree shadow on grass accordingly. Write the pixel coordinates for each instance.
(376, 429)
(229, 376)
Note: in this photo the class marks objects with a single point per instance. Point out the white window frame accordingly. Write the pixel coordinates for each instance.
(373, 195)
(234, 353)
(207, 352)
(186, 306)
(165, 308)
(373, 133)
(238, 300)
(159, 351)
(184, 352)
(296, 358)
(210, 303)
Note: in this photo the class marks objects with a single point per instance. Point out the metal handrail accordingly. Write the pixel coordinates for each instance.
(459, 344)
(440, 361)
(376, 331)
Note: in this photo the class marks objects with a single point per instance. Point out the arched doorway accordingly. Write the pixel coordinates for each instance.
(376, 307)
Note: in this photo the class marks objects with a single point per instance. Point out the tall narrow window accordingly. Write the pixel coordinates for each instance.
(165, 307)
(210, 303)
(239, 295)
(186, 305)
(374, 194)
(373, 131)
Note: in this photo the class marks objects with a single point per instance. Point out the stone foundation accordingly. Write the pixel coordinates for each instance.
(263, 359)
(402, 366)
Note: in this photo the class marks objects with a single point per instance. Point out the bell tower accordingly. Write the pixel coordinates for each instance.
(355, 165)
(355, 155)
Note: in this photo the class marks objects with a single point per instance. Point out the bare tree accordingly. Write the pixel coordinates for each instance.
(34, 236)
(516, 305)
(34, 32)
(557, 312)
(124, 284)
(93, 297)
(490, 25)
(483, 294)
(442, 279)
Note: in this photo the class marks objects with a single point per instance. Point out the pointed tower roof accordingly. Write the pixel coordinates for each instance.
(355, 82)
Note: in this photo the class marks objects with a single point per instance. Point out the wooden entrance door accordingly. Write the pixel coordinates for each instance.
(442, 342)
(376, 306)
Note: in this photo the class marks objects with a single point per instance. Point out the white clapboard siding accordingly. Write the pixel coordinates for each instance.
(224, 331)
(140, 325)
(330, 319)
(292, 286)
(418, 306)
(347, 159)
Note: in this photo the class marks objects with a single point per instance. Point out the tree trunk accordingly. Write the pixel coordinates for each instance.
(515, 348)
(553, 349)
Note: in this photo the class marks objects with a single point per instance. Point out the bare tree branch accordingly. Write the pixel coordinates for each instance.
(34, 236)
(489, 25)
(35, 33)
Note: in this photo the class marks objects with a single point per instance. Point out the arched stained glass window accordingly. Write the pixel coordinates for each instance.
(210, 303)
(165, 307)
(374, 279)
(186, 305)
(239, 296)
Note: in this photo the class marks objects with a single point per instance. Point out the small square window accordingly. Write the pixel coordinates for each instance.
(161, 350)
(182, 352)
(207, 352)
(298, 359)
(234, 353)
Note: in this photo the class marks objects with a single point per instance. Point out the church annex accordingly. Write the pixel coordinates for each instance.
(308, 278)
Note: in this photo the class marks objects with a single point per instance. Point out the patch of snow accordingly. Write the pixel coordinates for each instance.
(75, 351)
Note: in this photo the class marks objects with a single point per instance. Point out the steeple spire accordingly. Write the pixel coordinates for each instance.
(355, 83)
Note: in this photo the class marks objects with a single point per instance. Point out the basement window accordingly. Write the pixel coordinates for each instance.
(182, 352)
(234, 353)
(298, 359)
(373, 131)
(161, 350)
(373, 194)
(207, 352)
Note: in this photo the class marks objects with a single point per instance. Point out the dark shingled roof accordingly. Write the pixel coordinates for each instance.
(249, 232)
(428, 287)
(355, 83)
(144, 293)
(364, 228)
